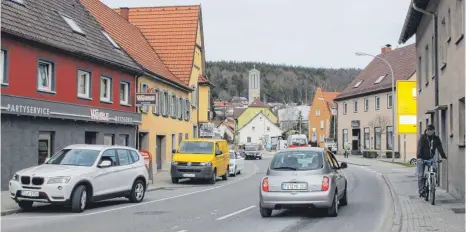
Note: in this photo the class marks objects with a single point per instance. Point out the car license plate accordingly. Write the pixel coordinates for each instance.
(189, 175)
(30, 194)
(294, 186)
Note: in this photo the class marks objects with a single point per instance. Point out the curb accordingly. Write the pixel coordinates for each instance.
(364, 165)
(11, 211)
(397, 222)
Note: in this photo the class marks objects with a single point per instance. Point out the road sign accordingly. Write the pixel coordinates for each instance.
(406, 105)
(146, 99)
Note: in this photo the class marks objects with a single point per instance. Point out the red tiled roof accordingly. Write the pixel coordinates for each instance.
(403, 62)
(129, 38)
(172, 32)
(329, 98)
(203, 80)
(258, 103)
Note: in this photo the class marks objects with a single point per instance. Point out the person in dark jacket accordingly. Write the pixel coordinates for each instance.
(426, 146)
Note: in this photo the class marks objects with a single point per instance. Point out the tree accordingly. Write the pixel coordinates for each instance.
(380, 122)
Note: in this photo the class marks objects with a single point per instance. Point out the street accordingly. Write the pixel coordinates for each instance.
(230, 205)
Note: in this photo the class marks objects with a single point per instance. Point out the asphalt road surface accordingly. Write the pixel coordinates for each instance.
(227, 206)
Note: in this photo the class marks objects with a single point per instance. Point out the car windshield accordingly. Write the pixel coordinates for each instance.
(297, 160)
(74, 157)
(250, 148)
(299, 141)
(196, 148)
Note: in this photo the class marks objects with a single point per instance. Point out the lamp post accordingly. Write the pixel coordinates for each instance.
(393, 98)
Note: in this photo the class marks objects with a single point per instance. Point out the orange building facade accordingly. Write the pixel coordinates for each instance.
(320, 116)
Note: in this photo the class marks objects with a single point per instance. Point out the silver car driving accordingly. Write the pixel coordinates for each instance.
(303, 178)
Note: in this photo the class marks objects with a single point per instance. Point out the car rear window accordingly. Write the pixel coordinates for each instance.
(196, 147)
(297, 160)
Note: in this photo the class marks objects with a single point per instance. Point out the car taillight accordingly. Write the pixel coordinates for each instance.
(325, 183)
(265, 184)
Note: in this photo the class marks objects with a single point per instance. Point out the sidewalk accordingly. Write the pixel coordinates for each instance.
(162, 180)
(413, 214)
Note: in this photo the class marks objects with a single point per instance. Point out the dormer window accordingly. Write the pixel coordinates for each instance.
(73, 25)
(357, 84)
(111, 40)
(379, 79)
(21, 2)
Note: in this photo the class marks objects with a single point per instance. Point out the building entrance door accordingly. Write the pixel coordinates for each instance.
(356, 144)
(45, 146)
(160, 150)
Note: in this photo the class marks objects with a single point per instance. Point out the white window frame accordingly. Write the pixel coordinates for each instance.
(345, 108)
(389, 103)
(322, 124)
(126, 93)
(357, 84)
(322, 138)
(50, 78)
(380, 79)
(156, 108)
(377, 99)
(109, 38)
(73, 25)
(355, 106)
(4, 70)
(87, 81)
(318, 112)
(109, 89)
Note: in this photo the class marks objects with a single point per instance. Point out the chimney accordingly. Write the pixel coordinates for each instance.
(387, 48)
(124, 12)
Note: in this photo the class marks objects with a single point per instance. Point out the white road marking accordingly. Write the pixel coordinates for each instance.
(256, 168)
(234, 213)
(183, 231)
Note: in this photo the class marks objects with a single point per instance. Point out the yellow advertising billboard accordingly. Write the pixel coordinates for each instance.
(406, 105)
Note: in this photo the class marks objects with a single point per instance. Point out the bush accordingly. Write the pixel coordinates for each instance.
(370, 154)
(388, 154)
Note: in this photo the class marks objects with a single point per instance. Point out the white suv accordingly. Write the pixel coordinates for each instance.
(79, 174)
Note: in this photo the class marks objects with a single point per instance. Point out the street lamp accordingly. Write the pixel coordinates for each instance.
(393, 98)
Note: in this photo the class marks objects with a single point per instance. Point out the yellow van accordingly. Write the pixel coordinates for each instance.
(200, 159)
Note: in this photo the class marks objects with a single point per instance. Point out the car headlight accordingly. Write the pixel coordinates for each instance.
(59, 180)
(174, 162)
(206, 164)
(15, 177)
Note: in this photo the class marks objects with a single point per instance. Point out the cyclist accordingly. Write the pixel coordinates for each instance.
(426, 146)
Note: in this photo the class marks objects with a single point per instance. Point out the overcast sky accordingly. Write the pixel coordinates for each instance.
(311, 33)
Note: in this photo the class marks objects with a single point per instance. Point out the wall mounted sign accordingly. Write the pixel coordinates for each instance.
(355, 123)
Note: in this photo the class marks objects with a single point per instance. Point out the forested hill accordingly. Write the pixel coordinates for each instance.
(279, 83)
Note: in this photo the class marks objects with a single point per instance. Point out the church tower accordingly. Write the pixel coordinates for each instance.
(254, 85)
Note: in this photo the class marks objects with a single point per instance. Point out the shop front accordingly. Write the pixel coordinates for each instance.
(33, 130)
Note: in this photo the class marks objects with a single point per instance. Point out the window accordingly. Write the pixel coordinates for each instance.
(459, 20)
(124, 139)
(124, 93)
(156, 108)
(389, 138)
(345, 138)
(449, 25)
(461, 135)
(249, 140)
(173, 106)
(169, 104)
(167, 99)
(452, 117)
(105, 89)
(317, 112)
(389, 101)
(355, 106)
(322, 138)
(268, 128)
(74, 26)
(188, 110)
(432, 51)
(183, 106)
(134, 156)
(45, 75)
(110, 39)
(180, 108)
(253, 128)
(3, 71)
(380, 79)
(357, 84)
(109, 139)
(377, 103)
(367, 139)
(144, 89)
(420, 73)
(18, 1)
(194, 96)
(345, 108)
(377, 138)
(124, 157)
(110, 154)
(84, 84)
(366, 104)
(321, 124)
(426, 65)
(186, 136)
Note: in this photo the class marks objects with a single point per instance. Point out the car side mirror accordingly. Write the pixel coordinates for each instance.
(217, 153)
(105, 164)
(174, 151)
(343, 165)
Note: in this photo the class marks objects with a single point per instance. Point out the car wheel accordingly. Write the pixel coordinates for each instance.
(213, 178)
(79, 199)
(265, 212)
(239, 172)
(260, 157)
(227, 173)
(175, 180)
(25, 205)
(344, 200)
(332, 211)
(137, 192)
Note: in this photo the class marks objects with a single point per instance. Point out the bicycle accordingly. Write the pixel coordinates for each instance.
(430, 181)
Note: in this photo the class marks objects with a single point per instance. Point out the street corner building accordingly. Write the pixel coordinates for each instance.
(365, 106)
(64, 82)
(440, 53)
(178, 80)
(322, 117)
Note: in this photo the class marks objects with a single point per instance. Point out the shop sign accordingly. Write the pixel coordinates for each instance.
(146, 99)
(27, 109)
(355, 123)
(206, 129)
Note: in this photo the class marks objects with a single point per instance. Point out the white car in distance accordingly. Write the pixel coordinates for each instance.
(236, 163)
(80, 174)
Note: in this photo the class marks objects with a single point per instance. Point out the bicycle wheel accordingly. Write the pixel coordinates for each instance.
(426, 189)
(432, 190)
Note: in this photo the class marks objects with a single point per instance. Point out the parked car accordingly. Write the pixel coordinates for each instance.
(79, 174)
(201, 159)
(236, 163)
(252, 152)
(303, 177)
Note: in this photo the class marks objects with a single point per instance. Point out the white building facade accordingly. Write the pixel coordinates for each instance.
(259, 130)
